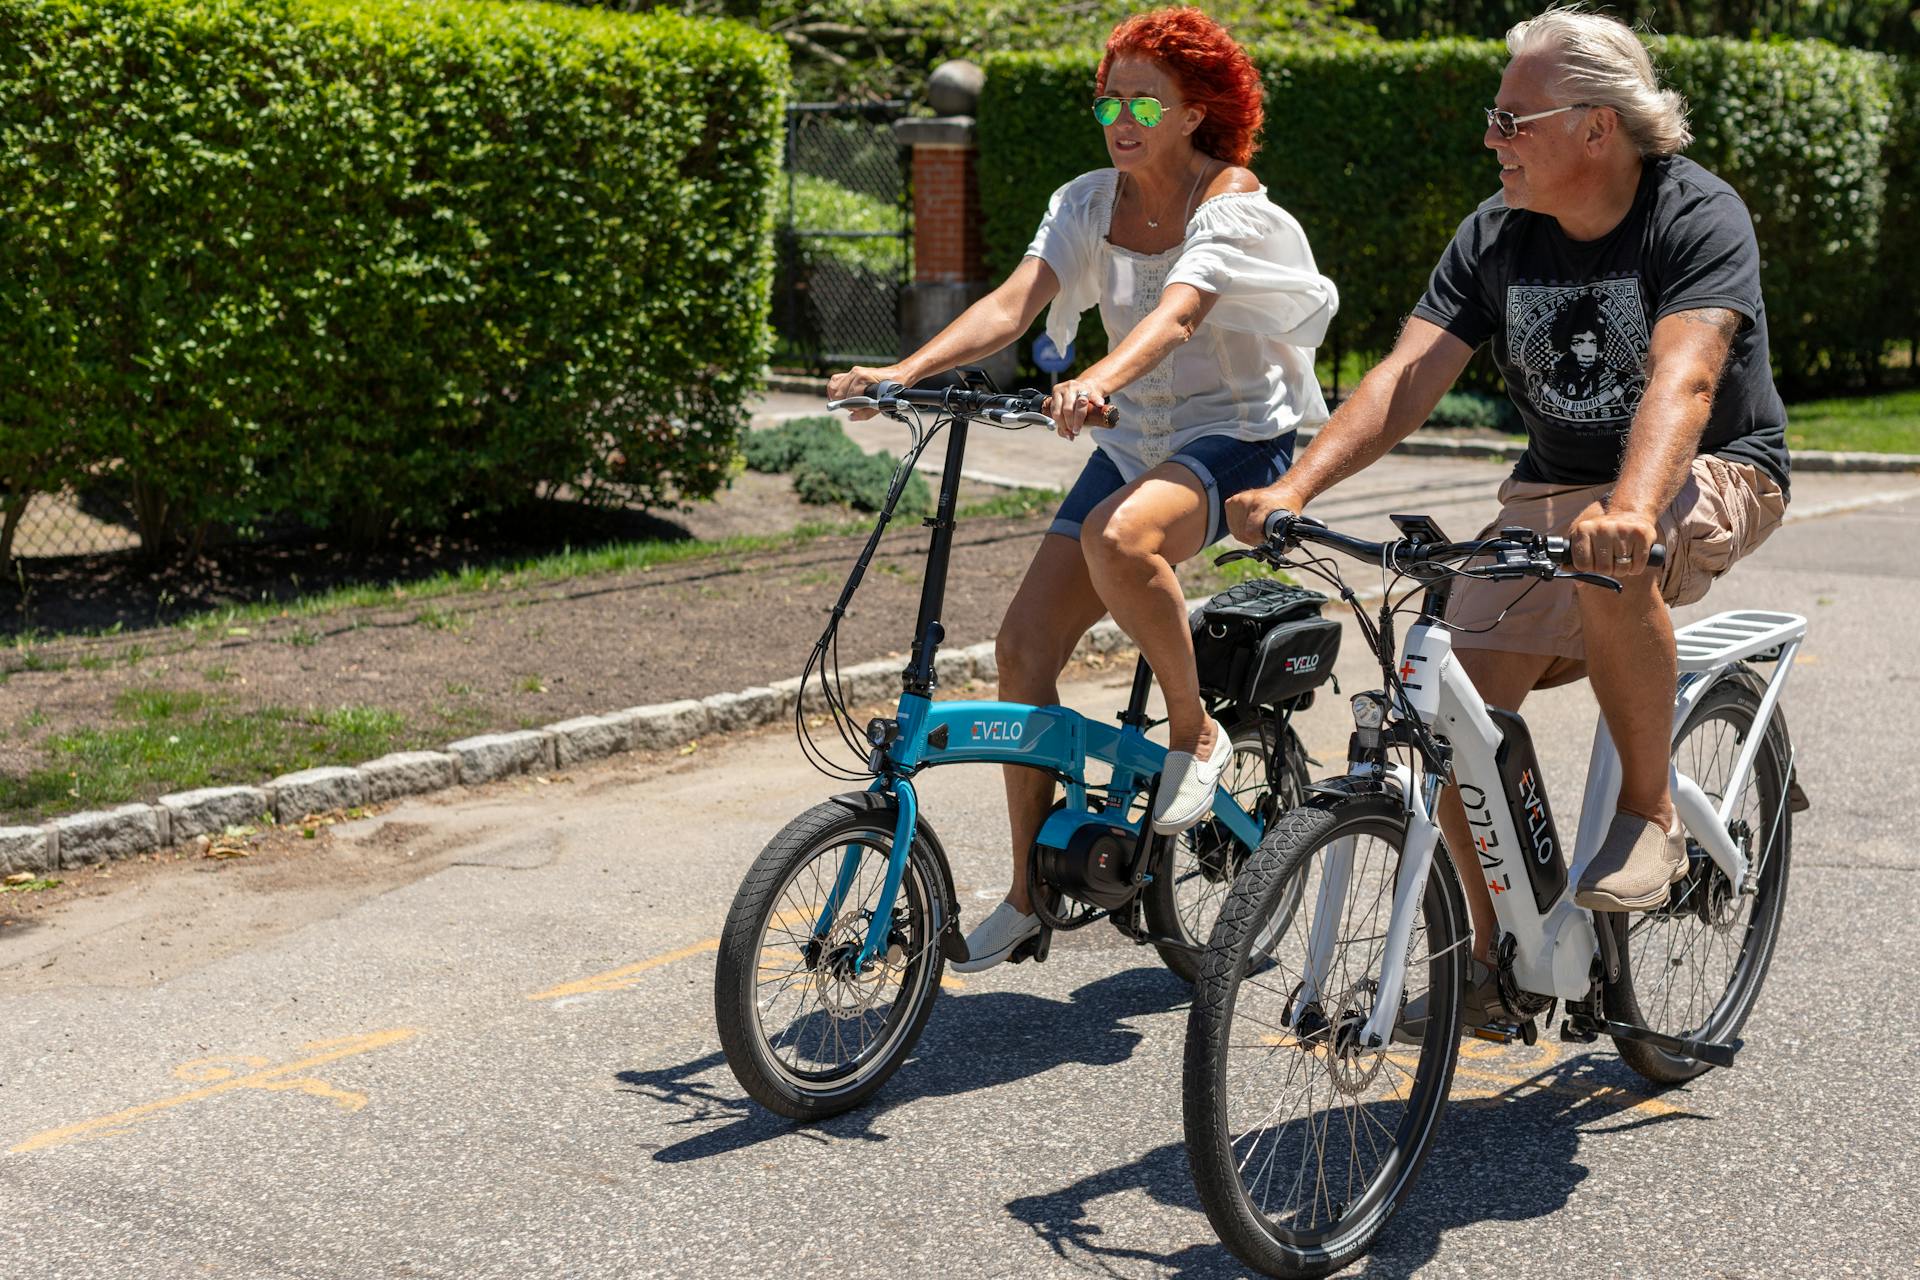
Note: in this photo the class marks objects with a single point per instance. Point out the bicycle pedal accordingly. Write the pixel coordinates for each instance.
(1503, 1032)
(1569, 1034)
(1034, 948)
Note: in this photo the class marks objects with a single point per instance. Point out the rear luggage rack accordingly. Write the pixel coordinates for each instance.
(1758, 635)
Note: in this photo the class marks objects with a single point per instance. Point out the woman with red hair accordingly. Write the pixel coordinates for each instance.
(1212, 308)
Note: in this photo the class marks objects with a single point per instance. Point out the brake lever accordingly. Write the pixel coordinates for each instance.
(1264, 554)
(1593, 579)
(885, 404)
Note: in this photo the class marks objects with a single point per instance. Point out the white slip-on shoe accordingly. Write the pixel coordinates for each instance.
(994, 938)
(1187, 784)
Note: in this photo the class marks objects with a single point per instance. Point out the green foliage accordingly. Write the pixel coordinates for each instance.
(1476, 410)
(1899, 268)
(365, 265)
(1802, 131)
(828, 467)
(1377, 149)
(1887, 25)
(866, 49)
(819, 202)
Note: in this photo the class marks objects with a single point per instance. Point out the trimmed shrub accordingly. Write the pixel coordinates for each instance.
(1377, 149)
(1477, 411)
(828, 467)
(367, 265)
(1899, 269)
(1889, 26)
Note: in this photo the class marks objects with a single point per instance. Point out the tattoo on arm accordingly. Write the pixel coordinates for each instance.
(1724, 322)
(1699, 347)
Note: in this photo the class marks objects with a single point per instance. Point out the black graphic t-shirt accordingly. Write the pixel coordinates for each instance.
(1571, 321)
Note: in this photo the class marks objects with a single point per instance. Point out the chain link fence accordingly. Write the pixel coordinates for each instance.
(63, 524)
(845, 237)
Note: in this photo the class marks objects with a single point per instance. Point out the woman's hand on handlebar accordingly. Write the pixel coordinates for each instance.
(856, 380)
(1071, 404)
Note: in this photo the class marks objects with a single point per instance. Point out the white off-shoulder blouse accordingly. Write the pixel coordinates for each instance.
(1248, 370)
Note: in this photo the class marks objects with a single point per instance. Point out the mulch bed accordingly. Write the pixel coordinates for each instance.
(501, 660)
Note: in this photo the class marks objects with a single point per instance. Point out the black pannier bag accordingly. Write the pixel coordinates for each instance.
(1263, 643)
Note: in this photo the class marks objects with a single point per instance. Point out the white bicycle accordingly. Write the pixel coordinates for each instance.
(1312, 1099)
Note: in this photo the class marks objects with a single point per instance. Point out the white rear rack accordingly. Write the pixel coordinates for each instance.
(1736, 634)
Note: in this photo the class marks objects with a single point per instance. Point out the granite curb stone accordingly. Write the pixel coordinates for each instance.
(99, 836)
(588, 738)
(663, 724)
(28, 849)
(295, 795)
(496, 755)
(211, 810)
(409, 773)
(746, 709)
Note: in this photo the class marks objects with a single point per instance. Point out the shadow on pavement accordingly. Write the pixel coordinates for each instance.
(1527, 1134)
(972, 1042)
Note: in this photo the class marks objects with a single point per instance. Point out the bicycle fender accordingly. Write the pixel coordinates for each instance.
(1330, 792)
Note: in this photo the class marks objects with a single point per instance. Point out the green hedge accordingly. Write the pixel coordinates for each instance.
(1899, 309)
(365, 264)
(1376, 148)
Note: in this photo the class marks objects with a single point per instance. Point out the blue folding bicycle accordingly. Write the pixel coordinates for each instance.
(833, 950)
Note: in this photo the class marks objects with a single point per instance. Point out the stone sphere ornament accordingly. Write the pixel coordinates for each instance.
(954, 88)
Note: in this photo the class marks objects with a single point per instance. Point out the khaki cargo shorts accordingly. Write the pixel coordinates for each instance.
(1723, 511)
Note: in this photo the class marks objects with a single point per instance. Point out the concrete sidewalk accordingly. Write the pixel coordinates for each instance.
(1457, 491)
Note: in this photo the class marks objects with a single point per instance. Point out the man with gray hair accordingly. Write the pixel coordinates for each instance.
(1619, 284)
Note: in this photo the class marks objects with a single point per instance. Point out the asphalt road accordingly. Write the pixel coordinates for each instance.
(499, 1060)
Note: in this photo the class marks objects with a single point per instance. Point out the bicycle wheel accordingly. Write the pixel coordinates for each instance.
(1184, 902)
(805, 1032)
(1694, 966)
(1303, 1143)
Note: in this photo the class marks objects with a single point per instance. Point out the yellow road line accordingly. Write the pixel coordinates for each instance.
(615, 979)
(618, 979)
(627, 975)
(274, 1079)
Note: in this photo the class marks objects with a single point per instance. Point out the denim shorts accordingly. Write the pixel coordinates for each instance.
(1223, 465)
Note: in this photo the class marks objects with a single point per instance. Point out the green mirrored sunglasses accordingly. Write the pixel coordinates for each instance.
(1146, 110)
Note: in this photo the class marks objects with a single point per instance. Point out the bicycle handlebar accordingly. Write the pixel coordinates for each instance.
(1003, 408)
(1521, 552)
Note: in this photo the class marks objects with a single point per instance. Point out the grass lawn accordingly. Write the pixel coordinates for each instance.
(1869, 424)
(187, 740)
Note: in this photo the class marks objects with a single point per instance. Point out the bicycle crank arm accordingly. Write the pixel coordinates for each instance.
(1715, 1052)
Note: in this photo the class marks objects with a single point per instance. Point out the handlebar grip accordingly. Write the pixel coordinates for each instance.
(1561, 552)
(1109, 416)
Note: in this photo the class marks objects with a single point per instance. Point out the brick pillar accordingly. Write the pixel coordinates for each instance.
(949, 271)
(946, 202)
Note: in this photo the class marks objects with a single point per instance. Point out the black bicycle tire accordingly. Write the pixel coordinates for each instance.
(827, 823)
(1622, 1002)
(1159, 903)
(1296, 836)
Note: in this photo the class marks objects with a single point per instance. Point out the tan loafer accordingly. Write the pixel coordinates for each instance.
(1636, 864)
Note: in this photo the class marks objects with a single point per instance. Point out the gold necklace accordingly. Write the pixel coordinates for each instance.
(1155, 225)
